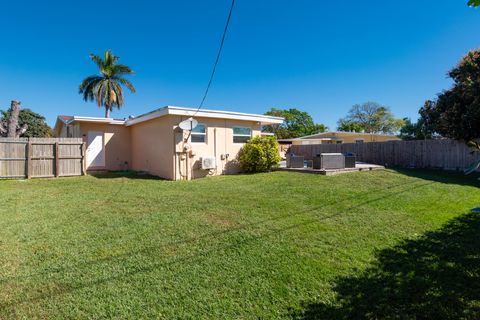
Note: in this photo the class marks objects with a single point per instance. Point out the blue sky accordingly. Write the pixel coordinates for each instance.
(319, 56)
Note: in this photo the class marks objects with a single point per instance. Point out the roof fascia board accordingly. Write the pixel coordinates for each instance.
(225, 115)
(99, 120)
(148, 116)
(171, 110)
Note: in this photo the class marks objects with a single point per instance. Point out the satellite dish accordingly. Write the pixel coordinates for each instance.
(188, 124)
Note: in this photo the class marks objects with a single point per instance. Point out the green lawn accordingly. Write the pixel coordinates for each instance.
(279, 245)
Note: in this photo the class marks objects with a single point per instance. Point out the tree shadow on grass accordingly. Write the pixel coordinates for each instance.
(124, 174)
(315, 217)
(434, 277)
(450, 177)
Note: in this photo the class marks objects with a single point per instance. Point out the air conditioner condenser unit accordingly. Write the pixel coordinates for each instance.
(208, 163)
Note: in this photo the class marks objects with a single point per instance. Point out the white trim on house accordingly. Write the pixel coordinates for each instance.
(172, 110)
(204, 113)
(87, 119)
(93, 119)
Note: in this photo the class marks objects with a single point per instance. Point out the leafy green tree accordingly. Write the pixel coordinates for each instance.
(297, 124)
(416, 130)
(260, 154)
(424, 128)
(106, 88)
(410, 130)
(371, 117)
(34, 122)
(456, 112)
(474, 3)
(348, 126)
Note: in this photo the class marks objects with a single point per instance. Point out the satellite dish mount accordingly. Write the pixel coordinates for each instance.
(188, 125)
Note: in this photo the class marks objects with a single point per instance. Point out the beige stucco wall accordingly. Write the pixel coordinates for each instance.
(153, 148)
(219, 141)
(116, 142)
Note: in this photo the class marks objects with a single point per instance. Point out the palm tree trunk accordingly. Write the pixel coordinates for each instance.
(107, 111)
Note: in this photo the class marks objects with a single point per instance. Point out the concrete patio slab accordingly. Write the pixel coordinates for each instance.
(359, 166)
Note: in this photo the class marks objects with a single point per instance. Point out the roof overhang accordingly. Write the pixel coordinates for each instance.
(70, 120)
(96, 120)
(204, 113)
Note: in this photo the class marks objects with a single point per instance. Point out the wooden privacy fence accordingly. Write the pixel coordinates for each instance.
(41, 157)
(438, 154)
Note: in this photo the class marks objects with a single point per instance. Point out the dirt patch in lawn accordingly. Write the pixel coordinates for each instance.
(219, 220)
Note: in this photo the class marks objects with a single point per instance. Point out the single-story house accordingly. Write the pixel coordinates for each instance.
(154, 143)
(339, 137)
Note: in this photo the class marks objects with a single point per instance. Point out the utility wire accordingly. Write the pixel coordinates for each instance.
(217, 59)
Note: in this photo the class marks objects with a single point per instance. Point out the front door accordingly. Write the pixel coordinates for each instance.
(95, 149)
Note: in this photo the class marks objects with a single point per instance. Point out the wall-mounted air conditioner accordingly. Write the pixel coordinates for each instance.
(208, 163)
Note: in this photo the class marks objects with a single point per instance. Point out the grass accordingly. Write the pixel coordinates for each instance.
(279, 245)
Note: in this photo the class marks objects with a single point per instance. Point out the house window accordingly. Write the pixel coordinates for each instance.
(241, 134)
(359, 141)
(199, 134)
(338, 141)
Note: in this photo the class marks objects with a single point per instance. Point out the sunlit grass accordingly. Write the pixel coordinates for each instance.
(247, 246)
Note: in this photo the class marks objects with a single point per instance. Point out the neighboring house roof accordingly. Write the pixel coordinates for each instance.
(65, 118)
(203, 113)
(334, 135)
(342, 133)
(301, 138)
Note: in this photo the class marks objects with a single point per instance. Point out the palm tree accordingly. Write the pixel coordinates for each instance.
(106, 89)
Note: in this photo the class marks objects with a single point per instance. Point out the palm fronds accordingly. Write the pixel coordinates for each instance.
(106, 89)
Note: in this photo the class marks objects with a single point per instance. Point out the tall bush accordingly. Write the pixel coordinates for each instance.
(260, 154)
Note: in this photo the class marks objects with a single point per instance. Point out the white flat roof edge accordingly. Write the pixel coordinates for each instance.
(173, 110)
(206, 113)
(95, 119)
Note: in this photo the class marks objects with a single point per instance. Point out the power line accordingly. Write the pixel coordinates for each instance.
(217, 59)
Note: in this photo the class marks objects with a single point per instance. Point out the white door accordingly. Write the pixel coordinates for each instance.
(95, 149)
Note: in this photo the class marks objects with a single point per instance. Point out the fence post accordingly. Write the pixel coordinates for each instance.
(29, 159)
(57, 160)
(84, 160)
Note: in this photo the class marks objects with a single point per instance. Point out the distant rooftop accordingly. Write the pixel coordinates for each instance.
(328, 135)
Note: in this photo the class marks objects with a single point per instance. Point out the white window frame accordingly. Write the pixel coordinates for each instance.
(240, 135)
(200, 134)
